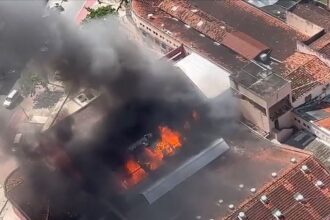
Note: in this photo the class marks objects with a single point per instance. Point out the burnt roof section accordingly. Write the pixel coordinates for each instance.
(246, 18)
(281, 195)
(162, 186)
(244, 45)
(219, 180)
(314, 13)
(227, 180)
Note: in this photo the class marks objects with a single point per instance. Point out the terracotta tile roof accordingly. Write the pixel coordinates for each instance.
(305, 72)
(190, 37)
(281, 193)
(321, 42)
(200, 20)
(244, 45)
(246, 18)
(325, 123)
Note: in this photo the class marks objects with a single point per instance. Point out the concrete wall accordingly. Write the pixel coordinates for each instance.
(302, 25)
(248, 94)
(279, 95)
(254, 115)
(286, 120)
(283, 134)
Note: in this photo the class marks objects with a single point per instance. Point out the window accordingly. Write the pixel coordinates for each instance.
(308, 98)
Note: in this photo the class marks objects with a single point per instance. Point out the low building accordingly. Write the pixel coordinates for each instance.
(314, 117)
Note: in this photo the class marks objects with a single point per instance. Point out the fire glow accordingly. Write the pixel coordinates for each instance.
(166, 146)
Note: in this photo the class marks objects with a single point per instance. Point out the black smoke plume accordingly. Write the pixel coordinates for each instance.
(139, 94)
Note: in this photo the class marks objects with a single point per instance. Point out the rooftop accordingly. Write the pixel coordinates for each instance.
(210, 79)
(245, 18)
(281, 195)
(262, 82)
(305, 73)
(313, 12)
(189, 36)
(317, 112)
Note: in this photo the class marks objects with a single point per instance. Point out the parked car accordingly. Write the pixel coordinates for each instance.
(11, 98)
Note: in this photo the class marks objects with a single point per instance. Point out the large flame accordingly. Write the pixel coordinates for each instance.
(135, 173)
(168, 143)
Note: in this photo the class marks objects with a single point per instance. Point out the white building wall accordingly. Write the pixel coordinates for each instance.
(318, 131)
(162, 36)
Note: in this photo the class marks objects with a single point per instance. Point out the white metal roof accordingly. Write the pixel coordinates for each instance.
(208, 77)
(187, 169)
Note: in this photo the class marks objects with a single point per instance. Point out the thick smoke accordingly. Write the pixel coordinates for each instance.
(140, 93)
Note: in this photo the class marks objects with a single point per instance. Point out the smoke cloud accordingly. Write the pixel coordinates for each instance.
(139, 94)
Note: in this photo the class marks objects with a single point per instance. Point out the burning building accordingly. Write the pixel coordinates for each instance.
(182, 166)
(149, 147)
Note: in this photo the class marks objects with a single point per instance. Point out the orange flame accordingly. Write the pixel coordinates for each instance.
(135, 172)
(169, 141)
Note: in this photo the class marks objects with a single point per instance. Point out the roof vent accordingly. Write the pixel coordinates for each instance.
(187, 26)
(278, 214)
(200, 23)
(242, 216)
(216, 43)
(223, 27)
(202, 35)
(274, 174)
(174, 8)
(264, 199)
(150, 16)
(231, 206)
(305, 169)
(241, 186)
(264, 57)
(194, 10)
(299, 197)
(293, 160)
(253, 190)
(198, 217)
(319, 184)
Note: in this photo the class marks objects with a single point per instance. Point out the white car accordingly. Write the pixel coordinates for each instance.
(11, 98)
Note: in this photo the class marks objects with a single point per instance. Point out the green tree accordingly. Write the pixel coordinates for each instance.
(29, 81)
(100, 12)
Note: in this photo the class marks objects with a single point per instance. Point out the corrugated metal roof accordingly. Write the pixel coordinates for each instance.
(187, 169)
(244, 45)
(208, 77)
